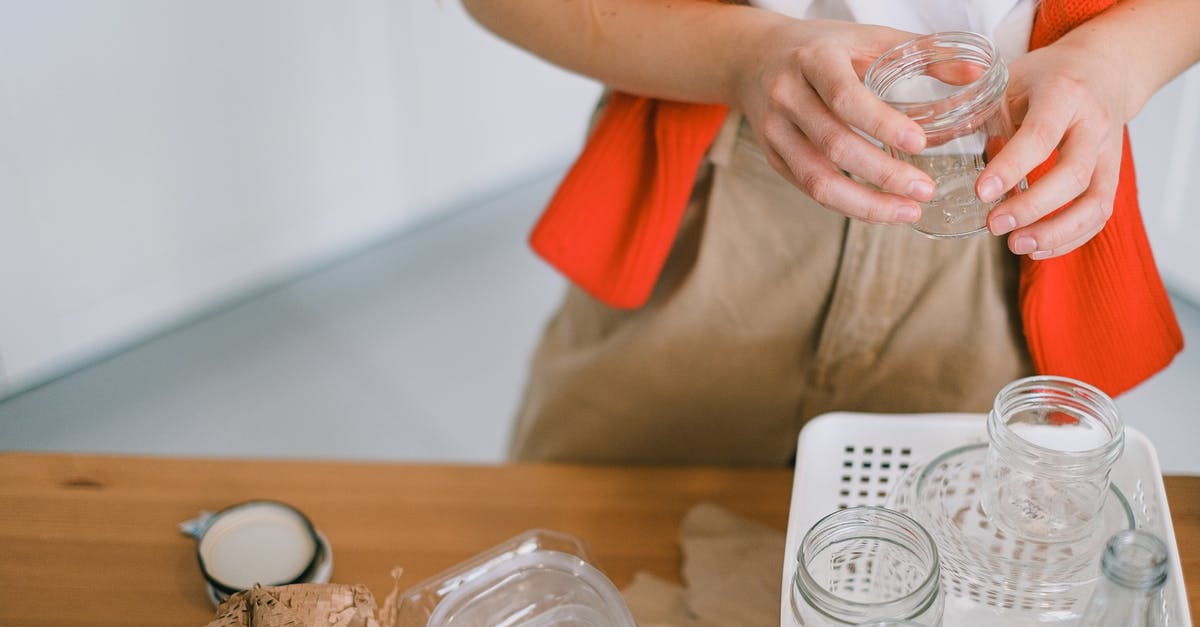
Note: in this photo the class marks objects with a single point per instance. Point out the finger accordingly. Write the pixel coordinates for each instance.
(843, 92)
(1071, 175)
(1033, 142)
(854, 154)
(1075, 225)
(795, 157)
(1067, 247)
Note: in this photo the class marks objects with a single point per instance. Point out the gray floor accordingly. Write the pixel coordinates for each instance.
(413, 350)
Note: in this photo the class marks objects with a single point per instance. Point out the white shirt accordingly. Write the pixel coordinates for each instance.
(1007, 22)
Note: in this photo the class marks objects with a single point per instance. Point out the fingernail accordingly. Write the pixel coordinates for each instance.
(920, 190)
(911, 142)
(908, 213)
(1041, 254)
(989, 189)
(1024, 245)
(1002, 224)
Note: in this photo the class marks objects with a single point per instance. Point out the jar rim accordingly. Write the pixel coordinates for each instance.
(912, 604)
(976, 98)
(1099, 406)
(1136, 559)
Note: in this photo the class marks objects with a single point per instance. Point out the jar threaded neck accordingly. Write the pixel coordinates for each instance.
(952, 57)
(1135, 560)
(1056, 401)
(864, 528)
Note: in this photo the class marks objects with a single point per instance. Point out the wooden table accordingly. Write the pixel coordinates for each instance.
(87, 540)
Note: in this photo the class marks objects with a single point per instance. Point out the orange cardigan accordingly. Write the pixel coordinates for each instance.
(1099, 314)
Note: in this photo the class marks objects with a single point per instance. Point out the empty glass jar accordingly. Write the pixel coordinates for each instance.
(952, 84)
(866, 564)
(1052, 442)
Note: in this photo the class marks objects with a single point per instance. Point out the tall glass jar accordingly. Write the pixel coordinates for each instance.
(866, 564)
(952, 84)
(1052, 442)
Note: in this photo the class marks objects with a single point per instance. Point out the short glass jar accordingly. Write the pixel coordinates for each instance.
(1052, 442)
(952, 84)
(865, 564)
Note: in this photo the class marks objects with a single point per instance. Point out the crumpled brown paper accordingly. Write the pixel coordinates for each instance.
(731, 570)
(299, 605)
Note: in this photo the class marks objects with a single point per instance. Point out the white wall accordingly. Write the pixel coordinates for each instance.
(159, 157)
(1166, 146)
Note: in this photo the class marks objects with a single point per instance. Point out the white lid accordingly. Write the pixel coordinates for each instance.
(260, 542)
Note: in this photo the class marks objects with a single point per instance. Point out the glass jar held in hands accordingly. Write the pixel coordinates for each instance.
(952, 84)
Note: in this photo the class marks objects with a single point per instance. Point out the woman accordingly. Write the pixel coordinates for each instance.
(786, 293)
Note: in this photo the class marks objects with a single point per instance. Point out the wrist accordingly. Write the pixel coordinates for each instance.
(1139, 45)
(1125, 87)
(745, 58)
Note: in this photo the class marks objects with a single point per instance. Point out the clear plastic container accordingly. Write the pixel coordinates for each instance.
(952, 84)
(537, 579)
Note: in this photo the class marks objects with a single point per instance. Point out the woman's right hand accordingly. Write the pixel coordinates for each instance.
(799, 83)
(801, 90)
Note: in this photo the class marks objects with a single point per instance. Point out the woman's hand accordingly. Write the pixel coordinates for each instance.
(801, 90)
(1073, 99)
(1076, 95)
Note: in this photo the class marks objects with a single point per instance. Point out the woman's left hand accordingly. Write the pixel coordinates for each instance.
(1070, 98)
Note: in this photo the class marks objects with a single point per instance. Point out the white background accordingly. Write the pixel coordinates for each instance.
(160, 158)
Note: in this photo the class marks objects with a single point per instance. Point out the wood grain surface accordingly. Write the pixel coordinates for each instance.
(91, 540)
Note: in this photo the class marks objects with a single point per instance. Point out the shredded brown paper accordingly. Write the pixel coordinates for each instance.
(299, 605)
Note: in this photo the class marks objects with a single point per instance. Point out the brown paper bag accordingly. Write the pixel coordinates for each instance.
(731, 571)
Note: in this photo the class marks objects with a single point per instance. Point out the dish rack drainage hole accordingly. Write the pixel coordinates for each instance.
(868, 471)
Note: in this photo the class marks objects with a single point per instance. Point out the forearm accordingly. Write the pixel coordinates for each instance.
(1147, 42)
(677, 49)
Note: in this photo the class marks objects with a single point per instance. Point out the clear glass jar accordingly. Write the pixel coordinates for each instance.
(866, 564)
(952, 84)
(1129, 594)
(1052, 442)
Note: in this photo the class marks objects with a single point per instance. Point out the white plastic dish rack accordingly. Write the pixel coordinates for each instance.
(848, 459)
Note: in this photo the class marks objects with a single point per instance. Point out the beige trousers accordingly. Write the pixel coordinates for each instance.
(771, 310)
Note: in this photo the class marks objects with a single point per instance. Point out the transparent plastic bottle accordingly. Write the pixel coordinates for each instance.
(952, 84)
(1130, 590)
(866, 564)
